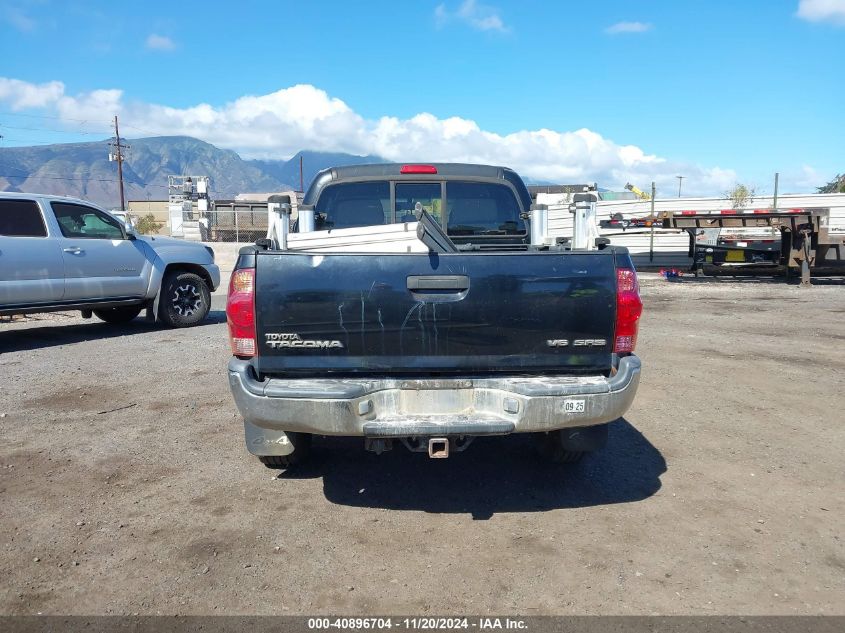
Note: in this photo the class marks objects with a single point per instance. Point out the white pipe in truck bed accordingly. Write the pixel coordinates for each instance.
(387, 238)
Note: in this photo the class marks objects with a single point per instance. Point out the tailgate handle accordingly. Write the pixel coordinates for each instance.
(457, 283)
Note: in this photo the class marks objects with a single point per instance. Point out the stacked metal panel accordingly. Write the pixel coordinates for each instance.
(388, 238)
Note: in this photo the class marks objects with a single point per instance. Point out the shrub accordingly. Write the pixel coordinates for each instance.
(147, 225)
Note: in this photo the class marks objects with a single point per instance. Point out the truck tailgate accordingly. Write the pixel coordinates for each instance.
(428, 314)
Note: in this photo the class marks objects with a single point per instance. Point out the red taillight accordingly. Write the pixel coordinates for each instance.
(418, 169)
(629, 307)
(240, 312)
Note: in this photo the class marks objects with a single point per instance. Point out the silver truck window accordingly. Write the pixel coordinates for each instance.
(21, 218)
(351, 204)
(79, 221)
(481, 208)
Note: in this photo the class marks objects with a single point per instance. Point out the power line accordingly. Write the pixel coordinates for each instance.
(29, 140)
(47, 116)
(143, 184)
(135, 127)
(58, 118)
(47, 173)
(47, 129)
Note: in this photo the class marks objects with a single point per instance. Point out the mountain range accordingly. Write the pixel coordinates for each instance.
(83, 170)
(312, 163)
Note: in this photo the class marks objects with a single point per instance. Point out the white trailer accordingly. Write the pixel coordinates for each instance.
(628, 222)
(805, 239)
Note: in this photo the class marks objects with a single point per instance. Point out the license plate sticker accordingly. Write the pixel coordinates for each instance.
(573, 406)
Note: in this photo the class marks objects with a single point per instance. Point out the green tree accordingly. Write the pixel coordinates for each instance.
(741, 195)
(147, 225)
(837, 185)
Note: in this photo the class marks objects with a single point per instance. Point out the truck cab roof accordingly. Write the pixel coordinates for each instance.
(407, 171)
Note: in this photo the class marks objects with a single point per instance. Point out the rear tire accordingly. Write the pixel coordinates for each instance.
(569, 445)
(301, 452)
(549, 447)
(184, 299)
(118, 316)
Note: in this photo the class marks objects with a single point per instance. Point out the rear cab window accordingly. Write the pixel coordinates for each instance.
(468, 208)
(353, 204)
(427, 194)
(21, 218)
(482, 209)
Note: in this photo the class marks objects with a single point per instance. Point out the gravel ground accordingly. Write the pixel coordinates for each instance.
(125, 486)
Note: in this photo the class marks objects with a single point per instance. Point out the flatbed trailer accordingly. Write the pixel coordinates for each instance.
(805, 239)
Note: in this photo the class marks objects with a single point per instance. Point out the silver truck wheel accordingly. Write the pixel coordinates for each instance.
(185, 299)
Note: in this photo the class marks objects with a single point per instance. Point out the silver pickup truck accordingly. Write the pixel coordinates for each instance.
(59, 253)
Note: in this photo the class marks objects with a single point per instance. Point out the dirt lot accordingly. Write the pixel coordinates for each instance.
(125, 486)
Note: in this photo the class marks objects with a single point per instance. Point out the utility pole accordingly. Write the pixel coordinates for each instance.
(118, 156)
(301, 182)
(680, 180)
(775, 199)
(653, 220)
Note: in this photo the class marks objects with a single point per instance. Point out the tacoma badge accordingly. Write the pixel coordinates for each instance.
(276, 341)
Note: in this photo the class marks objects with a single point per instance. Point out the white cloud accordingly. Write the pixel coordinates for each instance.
(278, 124)
(157, 42)
(822, 11)
(478, 16)
(22, 94)
(628, 27)
(807, 178)
(18, 19)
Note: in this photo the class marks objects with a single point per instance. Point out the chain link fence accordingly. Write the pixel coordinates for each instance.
(227, 221)
(245, 224)
(232, 222)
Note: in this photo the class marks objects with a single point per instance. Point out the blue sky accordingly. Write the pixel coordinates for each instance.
(566, 91)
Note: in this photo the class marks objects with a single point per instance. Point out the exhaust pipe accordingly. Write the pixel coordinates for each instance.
(438, 447)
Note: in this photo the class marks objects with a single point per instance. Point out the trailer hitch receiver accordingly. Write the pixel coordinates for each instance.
(438, 447)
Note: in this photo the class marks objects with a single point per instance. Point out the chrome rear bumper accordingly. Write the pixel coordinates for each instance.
(386, 408)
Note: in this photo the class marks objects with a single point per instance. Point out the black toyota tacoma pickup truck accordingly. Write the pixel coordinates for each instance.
(431, 349)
